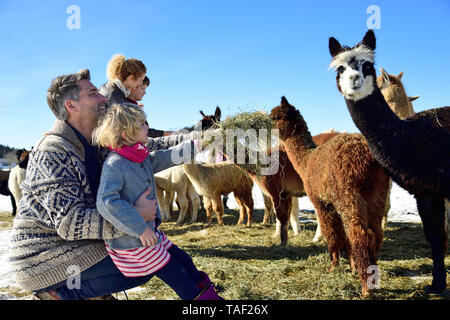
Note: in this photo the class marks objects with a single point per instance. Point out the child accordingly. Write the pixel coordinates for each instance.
(127, 172)
(136, 94)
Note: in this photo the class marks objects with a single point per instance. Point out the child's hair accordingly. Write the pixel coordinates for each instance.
(120, 68)
(146, 81)
(120, 119)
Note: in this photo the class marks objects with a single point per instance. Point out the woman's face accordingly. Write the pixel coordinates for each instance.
(132, 82)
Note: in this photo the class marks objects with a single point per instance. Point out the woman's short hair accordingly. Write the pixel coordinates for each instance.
(65, 88)
(120, 68)
(118, 125)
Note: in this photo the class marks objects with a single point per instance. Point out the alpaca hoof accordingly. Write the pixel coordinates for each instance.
(366, 293)
(331, 269)
(434, 290)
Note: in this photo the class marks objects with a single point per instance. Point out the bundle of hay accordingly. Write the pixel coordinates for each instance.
(246, 138)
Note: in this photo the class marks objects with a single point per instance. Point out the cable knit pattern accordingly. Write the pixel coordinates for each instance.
(57, 224)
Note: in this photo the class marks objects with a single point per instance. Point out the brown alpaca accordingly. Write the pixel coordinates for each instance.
(216, 179)
(395, 95)
(284, 185)
(345, 184)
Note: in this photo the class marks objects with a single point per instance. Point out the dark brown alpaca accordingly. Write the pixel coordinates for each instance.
(4, 190)
(415, 152)
(345, 184)
(207, 122)
(284, 185)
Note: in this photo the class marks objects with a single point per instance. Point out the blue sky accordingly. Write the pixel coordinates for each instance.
(241, 55)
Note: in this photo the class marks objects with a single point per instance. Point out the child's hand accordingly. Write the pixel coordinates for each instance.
(148, 237)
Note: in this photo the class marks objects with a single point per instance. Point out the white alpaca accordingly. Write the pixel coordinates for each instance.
(16, 177)
(171, 181)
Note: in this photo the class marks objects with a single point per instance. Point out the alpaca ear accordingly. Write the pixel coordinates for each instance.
(413, 98)
(400, 75)
(369, 40)
(334, 46)
(217, 114)
(203, 115)
(284, 102)
(385, 76)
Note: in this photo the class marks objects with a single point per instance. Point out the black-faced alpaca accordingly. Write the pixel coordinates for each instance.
(207, 122)
(345, 184)
(415, 152)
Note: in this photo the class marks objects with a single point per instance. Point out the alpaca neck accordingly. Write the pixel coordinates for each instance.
(298, 149)
(373, 117)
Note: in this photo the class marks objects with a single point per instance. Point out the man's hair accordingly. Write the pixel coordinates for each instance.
(146, 81)
(65, 88)
(119, 118)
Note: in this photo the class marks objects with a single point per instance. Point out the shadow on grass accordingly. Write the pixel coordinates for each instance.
(239, 252)
(404, 241)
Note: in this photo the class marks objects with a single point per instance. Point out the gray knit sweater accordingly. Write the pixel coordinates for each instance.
(57, 226)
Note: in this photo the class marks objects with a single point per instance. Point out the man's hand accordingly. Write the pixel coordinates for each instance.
(146, 207)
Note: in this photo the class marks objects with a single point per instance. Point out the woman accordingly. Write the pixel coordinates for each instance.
(123, 76)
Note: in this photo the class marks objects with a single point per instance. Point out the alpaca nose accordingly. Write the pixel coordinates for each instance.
(355, 77)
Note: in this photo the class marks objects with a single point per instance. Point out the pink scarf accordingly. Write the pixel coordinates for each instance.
(135, 153)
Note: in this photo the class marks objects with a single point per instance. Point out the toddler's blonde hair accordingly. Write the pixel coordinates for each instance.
(119, 125)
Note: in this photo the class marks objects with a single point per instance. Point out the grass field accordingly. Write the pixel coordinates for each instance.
(248, 263)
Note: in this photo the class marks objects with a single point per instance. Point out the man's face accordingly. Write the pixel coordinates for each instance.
(90, 102)
(138, 93)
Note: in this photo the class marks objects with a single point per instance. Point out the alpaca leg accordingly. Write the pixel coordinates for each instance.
(359, 239)
(432, 213)
(318, 236)
(294, 215)
(269, 213)
(282, 206)
(162, 203)
(217, 207)
(249, 209)
(208, 208)
(331, 225)
(13, 203)
(246, 206)
(241, 209)
(195, 202)
(387, 205)
(183, 206)
(170, 195)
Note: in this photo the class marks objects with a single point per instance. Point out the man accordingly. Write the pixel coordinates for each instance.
(57, 247)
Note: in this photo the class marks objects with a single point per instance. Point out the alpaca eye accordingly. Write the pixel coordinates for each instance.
(366, 66)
